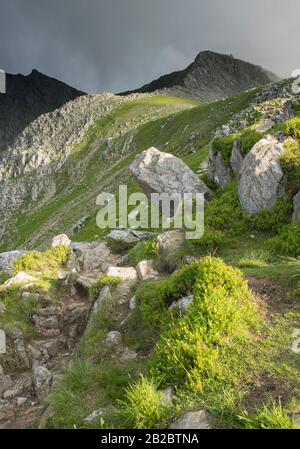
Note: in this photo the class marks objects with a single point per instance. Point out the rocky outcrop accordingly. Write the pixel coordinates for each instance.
(28, 97)
(237, 158)
(158, 172)
(46, 143)
(261, 174)
(217, 170)
(296, 214)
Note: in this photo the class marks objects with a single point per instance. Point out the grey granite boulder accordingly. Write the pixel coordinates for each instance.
(261, 175)
(158, 172)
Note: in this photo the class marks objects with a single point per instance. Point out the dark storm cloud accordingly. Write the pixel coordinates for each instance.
(115, 45)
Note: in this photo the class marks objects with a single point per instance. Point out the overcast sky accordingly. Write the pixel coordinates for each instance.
(115, 45)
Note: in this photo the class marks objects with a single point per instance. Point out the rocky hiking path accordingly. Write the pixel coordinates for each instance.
(61, 324)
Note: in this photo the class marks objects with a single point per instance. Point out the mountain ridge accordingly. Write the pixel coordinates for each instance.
(211, 76)
(26, 98)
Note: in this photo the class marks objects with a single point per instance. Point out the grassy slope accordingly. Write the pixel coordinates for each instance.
(175, 125)
(183, 128)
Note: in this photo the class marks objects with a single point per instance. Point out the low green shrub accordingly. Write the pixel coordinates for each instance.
(224, 145)
(18, 312)
(3, 278)
(97, 286)
(47, 261)
(224, 213)
(210, 240)
(274, 219)
(192, 348)
(144, 406)
(248, 138)
(292, 128)
(256, 259)
(274, 417)
(287, 242)
(290, 162)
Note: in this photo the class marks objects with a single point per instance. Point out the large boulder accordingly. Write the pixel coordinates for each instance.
(8, 259)
(158, 172)
(296, 215)
(261, 175)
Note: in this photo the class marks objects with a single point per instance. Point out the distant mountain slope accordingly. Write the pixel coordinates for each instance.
(28, 97)
(212, 76)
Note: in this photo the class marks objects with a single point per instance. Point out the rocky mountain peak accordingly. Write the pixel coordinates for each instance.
(26, 98)
(212, 76)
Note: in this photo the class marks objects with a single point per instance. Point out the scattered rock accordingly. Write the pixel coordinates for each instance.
(128, 274)
(182, 304)
(21, 401)
(20, 278)
(85, 281)
(259, 185)
(158, 172)
(236, 159)
(113, 338)
(170, 242)
(42, 380)
(127, 354)
(145, 270)
(130, 235)
(8, 259)
(95, 257)
(168, 395)
(79, 225)
(60, 240)
(296, 215)
(125, 236)
(192, 420)
(217, 170)
(264, 125)
(123, 292)
(132, 303)
(105, 295)
(95, 415)
(5, 381)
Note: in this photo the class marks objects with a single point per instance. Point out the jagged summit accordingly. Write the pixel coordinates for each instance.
(211, 76)
(26, 98)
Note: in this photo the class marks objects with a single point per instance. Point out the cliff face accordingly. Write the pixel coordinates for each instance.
(212, 76)
(26, 98)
